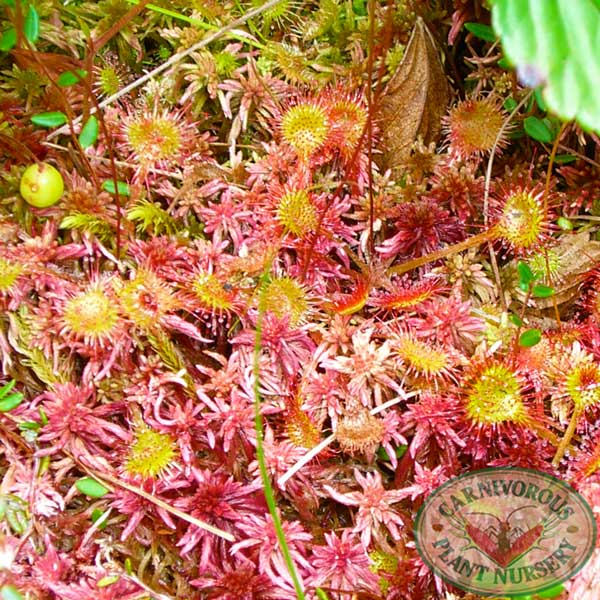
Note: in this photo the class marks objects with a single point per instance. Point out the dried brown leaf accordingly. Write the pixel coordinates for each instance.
(414, 100)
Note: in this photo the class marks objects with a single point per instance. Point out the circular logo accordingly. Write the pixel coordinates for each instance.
(505, 531)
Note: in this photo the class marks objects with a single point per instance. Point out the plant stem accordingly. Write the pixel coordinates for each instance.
(475, 240)
(562, 447)
(260, 452)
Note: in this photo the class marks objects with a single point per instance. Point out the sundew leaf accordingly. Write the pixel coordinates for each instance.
(89, 132)
(90, 487)
(555, 43)
(49, 119)
(483, 32)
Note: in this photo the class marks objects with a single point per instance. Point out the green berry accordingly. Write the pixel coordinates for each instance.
(41, 185)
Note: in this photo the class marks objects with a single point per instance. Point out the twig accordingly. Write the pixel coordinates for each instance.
(104, 478)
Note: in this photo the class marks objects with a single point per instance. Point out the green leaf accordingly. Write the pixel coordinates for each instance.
(49, 119)
(90, 487)
(89, 132)
(553, 592)
(71, 77)
(10, 592)
(484, 32)
(538, 130)
(109, 186)
(8, 40)
(31, 25)
(11, 402)
(542, 291)
(504, 63)
(515, 320)
(510, 104)
(5, 389)
(563, 159)
(108, 580)
(564, 223)
(321, 594)
(359, 7)
(526, 275)
(555, 43)
(529, 338)
(540, 99)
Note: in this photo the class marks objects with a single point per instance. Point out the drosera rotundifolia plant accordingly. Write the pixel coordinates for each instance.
(272, 273)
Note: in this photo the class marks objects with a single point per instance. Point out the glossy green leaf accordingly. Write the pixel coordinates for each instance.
(553, 592)
(97, 514)
(484, 32)
(555, 43)
(8, 40)
(526, 275)
(10, 592)
(90, 487)
(109, 186)
(11, 401)
(31, 25)
(538, 130)
(540, 99)
(108, 580)
(71, 77)
(89, 132)
(49, 119)
(515, 320)
(564, 223)
(542, 291)
(6, 388)
(530, 338)
(563, 159)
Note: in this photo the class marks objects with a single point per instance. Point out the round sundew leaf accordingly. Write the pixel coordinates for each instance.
(90, 487)
(31, 25)
(89, 132)
(10, 592)
(49, 119)
(530, 338)
(554, 43)
(538, 130)
(483, 32)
